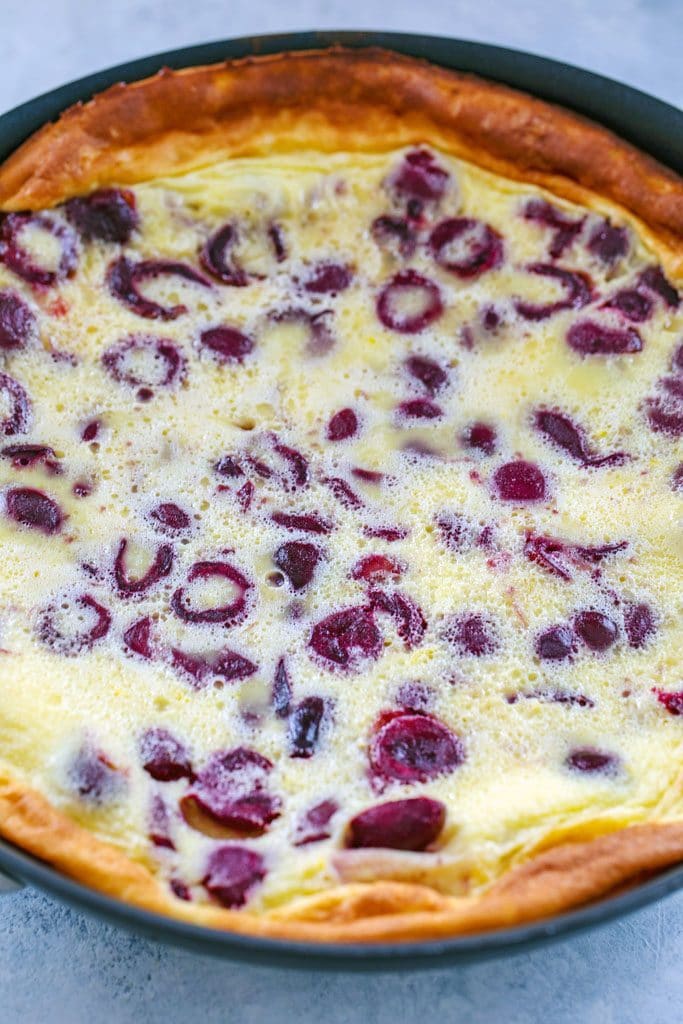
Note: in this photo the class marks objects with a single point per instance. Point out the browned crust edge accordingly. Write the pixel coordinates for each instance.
(551, 882)
(333, 100)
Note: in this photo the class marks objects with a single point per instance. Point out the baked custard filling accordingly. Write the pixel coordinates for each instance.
(340, 515)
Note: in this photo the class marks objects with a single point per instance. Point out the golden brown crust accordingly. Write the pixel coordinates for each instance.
(553, 881)
(335, 100)
(345, 100)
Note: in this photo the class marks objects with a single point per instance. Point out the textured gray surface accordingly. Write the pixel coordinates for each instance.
(57, 965)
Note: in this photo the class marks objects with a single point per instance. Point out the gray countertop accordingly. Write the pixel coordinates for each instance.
(60, 966)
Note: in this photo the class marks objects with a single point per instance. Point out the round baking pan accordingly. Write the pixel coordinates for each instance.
(650, 124)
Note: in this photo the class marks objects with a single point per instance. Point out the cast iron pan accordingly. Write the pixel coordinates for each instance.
(651, 125)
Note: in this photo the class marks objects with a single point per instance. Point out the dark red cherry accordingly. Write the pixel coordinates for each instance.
(215, 257)
(408, 617)
(567, 435)
(158, 570)
(414, 748)
(608, 243)
(653, 279)
(635, 305)
(466, 247)
(376, 568)
(17, 322)
(665, 417)
(227, 614)
(225, 666)
(480, 437)
(519, 481)
(180, 889)
(106, 215)
(90, 431)
(21, 261)
(342, 492)
(347, 637)
(399, 825)
(587, 759)
(432, 376)
(26, 456)
(328, 279)
(227, 343)
(229, 466)
(472, 634)
(314, 825)
(163, 366)
(589, 338)
(170, 517)
(297, 559)
(232, 789)
(420, 176)
(556, 555)
(289, 467)
(558, 643)
(577, 285)
(281, 697)
(596, 630)
(232, 872)
(93, 776)
(306, 522)
(672, 385)
(564, 229)
(125, 277)
(368, 476)
(159, 824)
(18, 418)
(395, 234)
(673, 702)
(343, 424)
(409, 302)
(163, 756)
(305, 721)
(419, 409)
(639, 623)
(677, 478)
(277, 240)
(138, 637)
(33, 508)
(90, 628)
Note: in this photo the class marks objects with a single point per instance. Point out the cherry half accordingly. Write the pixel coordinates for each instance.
(18, 418)
(466, 247)
(561, 430)
(20, 260)
(409, 303)
(158, 570)
(231, 874)
(577, 285)
(106, 215)
(347, 637)
(75, 642)
(398, 825)
(228, 614)
(35, 509)
(124, 278)
(17, 322)
(408, 747)
(519, 481)
(232, 789)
